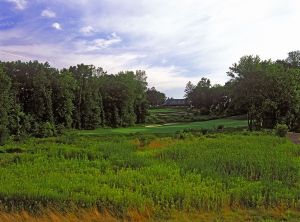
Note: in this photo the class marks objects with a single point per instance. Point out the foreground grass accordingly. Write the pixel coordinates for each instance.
(94, 215)
(131, 179)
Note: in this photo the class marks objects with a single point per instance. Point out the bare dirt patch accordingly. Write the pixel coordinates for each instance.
(294, 137)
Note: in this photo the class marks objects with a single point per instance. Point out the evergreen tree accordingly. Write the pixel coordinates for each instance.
(63, 87)
(5, 102)
(5, 98)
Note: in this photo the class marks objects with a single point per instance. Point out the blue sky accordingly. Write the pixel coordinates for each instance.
(174, 41)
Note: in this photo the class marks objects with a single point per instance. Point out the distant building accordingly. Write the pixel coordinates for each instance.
(176, 102)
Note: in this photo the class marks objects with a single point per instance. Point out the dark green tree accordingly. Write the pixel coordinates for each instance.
(293, 59)
(155, 97)
(199, 96)
(5, 97)
(268, 92)
(63, 87)
(5, 102)
(87, 101)
(140, 101)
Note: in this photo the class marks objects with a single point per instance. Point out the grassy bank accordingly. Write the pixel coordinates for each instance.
(175, 114)
(125, 176)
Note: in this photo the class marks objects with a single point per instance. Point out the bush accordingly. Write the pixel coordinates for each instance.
(60, 129)
(46, 130)
(184, 135)
(281, 130)
(204, 111)
(204, 131)
(21, 137)
(3, 135)
(145, 140)
(220, 127)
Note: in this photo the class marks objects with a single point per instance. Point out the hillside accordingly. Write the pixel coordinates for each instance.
(175, 114)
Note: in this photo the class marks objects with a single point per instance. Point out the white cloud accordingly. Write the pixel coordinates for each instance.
(19, 4)
(98, 43)
(164, 79)
(48, 13)
(87, 30)
(56, 25)
(208, 36)
(112, 39)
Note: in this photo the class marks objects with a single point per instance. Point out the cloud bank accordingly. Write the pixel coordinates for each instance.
(19, 4)
(174, 41)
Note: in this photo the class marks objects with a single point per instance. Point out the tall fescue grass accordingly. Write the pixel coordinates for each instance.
(120, 175)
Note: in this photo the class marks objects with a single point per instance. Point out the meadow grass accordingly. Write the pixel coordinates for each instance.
(123, 174)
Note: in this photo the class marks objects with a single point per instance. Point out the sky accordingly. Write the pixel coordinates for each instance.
(174, 41)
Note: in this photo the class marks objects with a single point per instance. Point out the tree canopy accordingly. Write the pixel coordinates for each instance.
(154, 97)
(37, 99)
(267, 91)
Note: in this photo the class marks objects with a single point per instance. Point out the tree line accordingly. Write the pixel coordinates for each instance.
(267, 91)
(37, 99)
(155, 97)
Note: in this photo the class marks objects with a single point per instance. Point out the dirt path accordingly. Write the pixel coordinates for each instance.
(294, 137)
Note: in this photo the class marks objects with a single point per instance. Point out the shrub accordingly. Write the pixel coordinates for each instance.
(204, 111)
(46, 130)
(204, 131)
(188, 136)
(145, 140)
(220, 127)
(3, 135)
(21, 137)
(60, 129)
(281, 130)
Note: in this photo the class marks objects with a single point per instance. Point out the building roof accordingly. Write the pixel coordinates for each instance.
(175, 102)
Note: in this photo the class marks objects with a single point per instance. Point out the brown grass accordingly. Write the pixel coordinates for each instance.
(93, 215)
(160, 143)
(153, 144)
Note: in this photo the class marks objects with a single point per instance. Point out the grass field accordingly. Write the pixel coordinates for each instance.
(169, 128)
(113, 176)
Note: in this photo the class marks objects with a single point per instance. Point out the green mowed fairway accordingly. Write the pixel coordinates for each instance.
(166, 110)
(169, 127)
